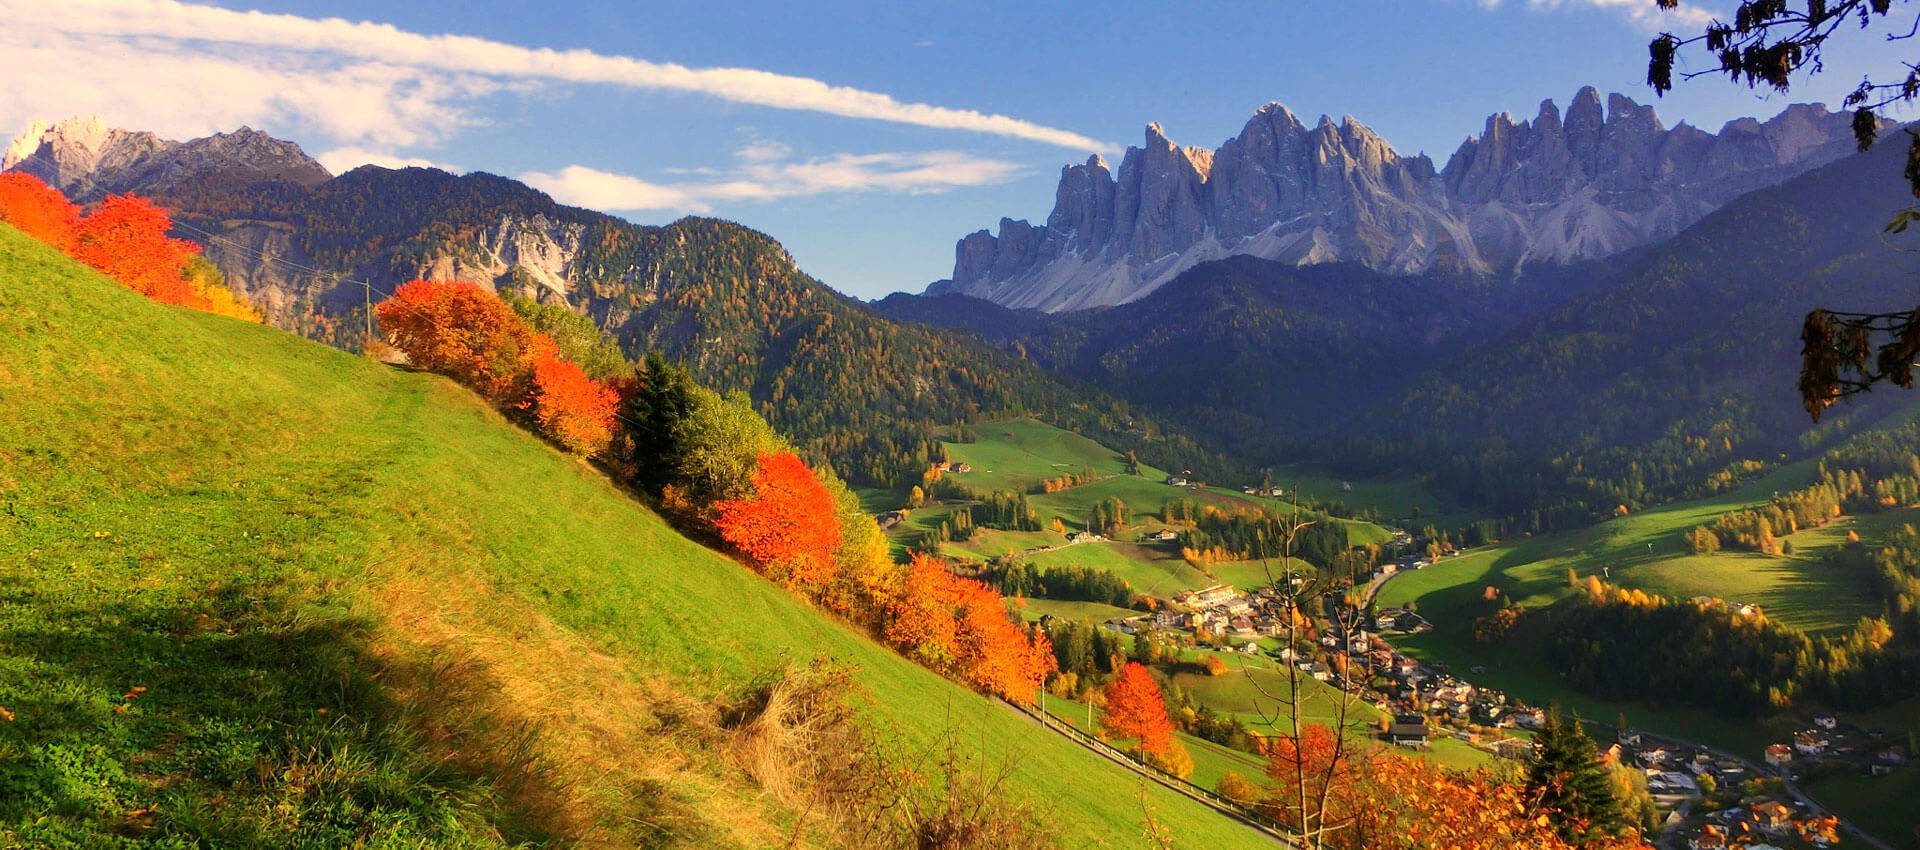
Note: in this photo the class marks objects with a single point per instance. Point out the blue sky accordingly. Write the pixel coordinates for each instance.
(867, 137)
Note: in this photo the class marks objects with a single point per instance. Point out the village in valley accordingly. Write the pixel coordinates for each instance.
(1347, 645)
(1710, 800)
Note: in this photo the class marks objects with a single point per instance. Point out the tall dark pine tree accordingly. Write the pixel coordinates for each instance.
(1570, 783)
(653, 415)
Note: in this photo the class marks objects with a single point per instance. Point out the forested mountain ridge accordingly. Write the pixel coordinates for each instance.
(1253, 350)
(1662, 373)
(1673, 377)
(864, 392)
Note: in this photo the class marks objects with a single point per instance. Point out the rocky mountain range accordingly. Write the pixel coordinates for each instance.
(88, 160)
(1598, 181)
(251, 196)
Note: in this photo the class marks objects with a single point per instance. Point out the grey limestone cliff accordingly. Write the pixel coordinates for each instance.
(1604, 179)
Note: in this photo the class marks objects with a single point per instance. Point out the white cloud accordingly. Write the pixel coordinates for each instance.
(274, 64)
(345, 159)
(180, 92)
(763, 150)
(914, 173)
(604, 190)
(766, 177)
(1689, 16)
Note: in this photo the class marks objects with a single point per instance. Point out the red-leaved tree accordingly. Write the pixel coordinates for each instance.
(788, 526)
(1136, 710)
(464, 332)
(126, 239)
(959, 626)
(38, 210)
(1315, 767)
(574, 410)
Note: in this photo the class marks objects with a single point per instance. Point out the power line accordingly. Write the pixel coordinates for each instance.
(366, 287)
(264, 257)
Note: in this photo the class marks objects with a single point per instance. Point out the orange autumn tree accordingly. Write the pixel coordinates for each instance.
(995, 654)
(919, 623)
(960, 626)
(1412, 803)
(788, 526)
(126, 239)
(1137, 710)
(1314, 779)
(464, 332)
(573, 409)
(1377, 800)
(38, 210)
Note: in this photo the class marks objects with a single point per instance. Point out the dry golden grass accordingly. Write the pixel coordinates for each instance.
(583, 749)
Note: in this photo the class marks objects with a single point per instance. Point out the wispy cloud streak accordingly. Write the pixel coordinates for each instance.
(1642, 13)
(765, 174)
(168, 28)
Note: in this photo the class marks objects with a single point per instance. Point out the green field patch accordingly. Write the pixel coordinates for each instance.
(990, 543)
(1881, 805)
(1086, 612)
(1809, 594)
(1152, 571)
(1644, 551)
(1018, 454)
(1145, 498)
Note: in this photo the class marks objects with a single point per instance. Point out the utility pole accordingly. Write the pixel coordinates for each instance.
(366, 289)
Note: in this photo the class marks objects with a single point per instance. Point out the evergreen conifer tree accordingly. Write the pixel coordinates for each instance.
(1570, 783)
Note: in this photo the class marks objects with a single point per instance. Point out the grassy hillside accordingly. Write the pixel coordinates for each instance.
(1019, 453)
(365, 610)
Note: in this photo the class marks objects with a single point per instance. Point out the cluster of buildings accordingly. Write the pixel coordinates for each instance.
(1755, 826)
(1224, 612)
(1829, 746)
(1716, 802)
(1437, 700)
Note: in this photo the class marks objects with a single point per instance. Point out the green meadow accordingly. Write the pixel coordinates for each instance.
(256, 592)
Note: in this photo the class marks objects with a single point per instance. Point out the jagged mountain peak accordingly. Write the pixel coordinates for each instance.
(87, 133)
(87, 159)
(1604, 176)
(73, 153)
